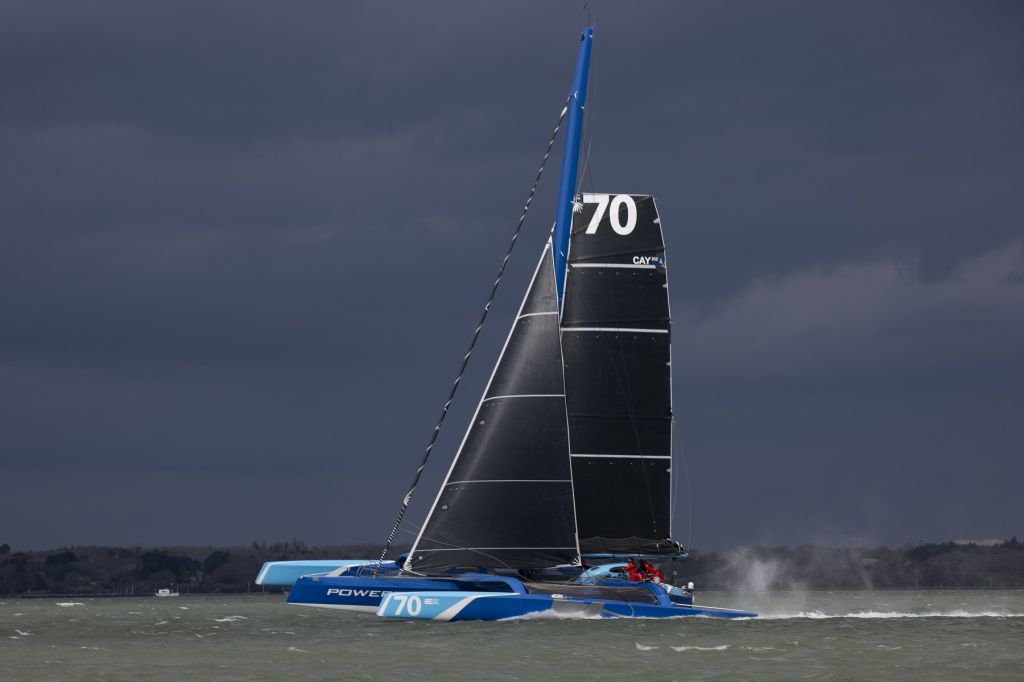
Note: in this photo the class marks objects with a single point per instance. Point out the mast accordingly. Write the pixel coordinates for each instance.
(570, 162)
(508, 499)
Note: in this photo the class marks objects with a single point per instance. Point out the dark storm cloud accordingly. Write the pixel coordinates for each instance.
(243, 245)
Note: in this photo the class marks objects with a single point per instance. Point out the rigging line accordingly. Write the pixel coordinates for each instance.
(472, 344)
(673, 479)
(689, 488)
(590, 170)
(406, 527)
(586, 171)
(588, 132)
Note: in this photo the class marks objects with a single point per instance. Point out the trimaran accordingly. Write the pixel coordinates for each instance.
(567, 461)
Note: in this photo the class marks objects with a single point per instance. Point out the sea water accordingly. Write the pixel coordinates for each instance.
(862, 635)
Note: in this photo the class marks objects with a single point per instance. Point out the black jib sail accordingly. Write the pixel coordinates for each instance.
(507, 500)
(617, 355)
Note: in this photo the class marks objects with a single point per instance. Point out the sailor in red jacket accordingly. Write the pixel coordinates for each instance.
(631, 572)
(651, 573)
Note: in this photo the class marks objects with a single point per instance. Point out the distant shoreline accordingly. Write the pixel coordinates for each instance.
(279, 593)
(112, 572)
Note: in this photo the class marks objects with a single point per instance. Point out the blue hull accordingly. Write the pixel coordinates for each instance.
(351, 593)
(487, 597)
(285, 573)
(456, 606)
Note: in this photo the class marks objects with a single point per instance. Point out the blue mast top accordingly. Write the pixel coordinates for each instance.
(570, 161)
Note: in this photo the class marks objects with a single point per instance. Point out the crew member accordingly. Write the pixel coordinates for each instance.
(651, 573)
(632, 574)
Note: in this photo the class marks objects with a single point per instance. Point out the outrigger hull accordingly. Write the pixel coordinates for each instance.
(475, 596)
(455, 606)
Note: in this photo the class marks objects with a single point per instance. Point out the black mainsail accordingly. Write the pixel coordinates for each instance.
(507, 500)
(617, 354)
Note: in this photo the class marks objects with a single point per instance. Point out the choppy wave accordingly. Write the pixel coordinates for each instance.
(70, 603)
(652, 647)
(810, 615)
(871, 615)
(553, 615)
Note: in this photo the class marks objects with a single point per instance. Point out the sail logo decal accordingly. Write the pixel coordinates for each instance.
(347, 592)
(652, 261)
(613, 206)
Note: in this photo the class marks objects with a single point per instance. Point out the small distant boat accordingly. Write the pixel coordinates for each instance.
(164, 592)
(567, 462)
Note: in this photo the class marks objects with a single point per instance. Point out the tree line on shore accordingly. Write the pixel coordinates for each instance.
(91, 570)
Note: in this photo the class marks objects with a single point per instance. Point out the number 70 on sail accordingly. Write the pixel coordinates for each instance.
(613, 205)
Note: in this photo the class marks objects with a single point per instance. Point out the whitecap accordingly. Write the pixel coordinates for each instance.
(551, 614)
(230, 619)
(720, 647)
(297, 650)
(23, 634)
(873, 615)
(70, 603)
(644, 647)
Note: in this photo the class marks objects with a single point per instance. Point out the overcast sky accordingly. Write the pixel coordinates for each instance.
(243, 246)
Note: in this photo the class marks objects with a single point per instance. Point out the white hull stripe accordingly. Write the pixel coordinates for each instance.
(483, 549)
(627, 456)
(532, 314)
(514, 480)
(615, 265)
(454, 609)
(525, 395)
(342, 607)
(615, 329)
